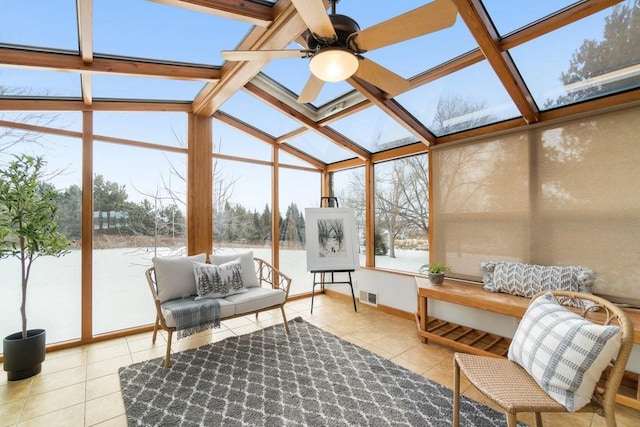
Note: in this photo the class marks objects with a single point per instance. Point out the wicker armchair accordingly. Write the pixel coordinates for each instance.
(511, 387)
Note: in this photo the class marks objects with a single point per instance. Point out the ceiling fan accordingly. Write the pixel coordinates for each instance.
(335, 44)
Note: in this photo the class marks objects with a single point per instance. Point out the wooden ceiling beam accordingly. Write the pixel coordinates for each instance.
(307, 122)
(85, 29)
(73, 63)
(240, 10)
(482, 29)
(620, 100)
(286, 26)
(85, 37)
(393, 109)
(243, 127)
(484, 130)
(73, 105)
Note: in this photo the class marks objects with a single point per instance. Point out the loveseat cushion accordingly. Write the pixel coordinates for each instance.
(218, 281)
(527, 280)
(256, 298)
(226, 309)
(174, 276)
(562, 351)
(249, 277)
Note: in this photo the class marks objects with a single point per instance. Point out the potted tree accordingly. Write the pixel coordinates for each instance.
(28, 230)
(436, 271)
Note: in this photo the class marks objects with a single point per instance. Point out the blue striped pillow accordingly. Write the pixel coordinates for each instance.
(562, 351)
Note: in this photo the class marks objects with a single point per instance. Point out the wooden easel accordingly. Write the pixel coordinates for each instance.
(322, 282)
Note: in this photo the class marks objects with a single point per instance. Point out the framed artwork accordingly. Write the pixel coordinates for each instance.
(332, 244)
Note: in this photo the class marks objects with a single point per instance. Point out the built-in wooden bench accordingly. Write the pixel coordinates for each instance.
(472, 340)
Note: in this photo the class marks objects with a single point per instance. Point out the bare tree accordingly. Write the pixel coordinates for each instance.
(9, 136)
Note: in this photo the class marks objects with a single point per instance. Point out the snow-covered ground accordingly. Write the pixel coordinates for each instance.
(121, 296)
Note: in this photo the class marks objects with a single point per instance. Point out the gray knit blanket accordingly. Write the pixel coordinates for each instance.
(193, 316)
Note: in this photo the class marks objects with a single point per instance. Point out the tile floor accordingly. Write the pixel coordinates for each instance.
(80, 386)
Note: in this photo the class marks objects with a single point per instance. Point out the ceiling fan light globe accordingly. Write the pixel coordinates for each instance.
(333, 64)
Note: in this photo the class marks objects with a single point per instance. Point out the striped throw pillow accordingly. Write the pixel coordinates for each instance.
(562, 351)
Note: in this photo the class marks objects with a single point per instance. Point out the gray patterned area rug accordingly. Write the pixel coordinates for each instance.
(307, 378)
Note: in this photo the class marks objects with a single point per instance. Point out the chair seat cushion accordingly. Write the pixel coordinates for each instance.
(506, 383)
(562, 351)
(226, 309)
(256, 299)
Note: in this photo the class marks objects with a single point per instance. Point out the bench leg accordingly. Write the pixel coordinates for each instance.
(284, 317)
(167, 357)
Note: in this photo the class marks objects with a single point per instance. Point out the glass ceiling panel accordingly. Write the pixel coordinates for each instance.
(126, 87)
(51, 24)
(320, 148)
(231, 141)
(508, 16)
(289, 159)
(22, 82)
(251, 110)
(374, 130)
(596, 56)
(146, 29)
(466, 99)
(156, 128)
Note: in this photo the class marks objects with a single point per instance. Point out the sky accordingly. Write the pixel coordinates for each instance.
(140, 28)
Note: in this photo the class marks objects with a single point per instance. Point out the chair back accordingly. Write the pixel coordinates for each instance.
(604, 312)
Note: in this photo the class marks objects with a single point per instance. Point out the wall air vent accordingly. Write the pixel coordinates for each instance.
(369, 298)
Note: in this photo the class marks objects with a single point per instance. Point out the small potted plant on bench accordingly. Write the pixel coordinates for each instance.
(436, 271)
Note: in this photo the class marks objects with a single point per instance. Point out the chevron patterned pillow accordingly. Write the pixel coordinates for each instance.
(527, 280)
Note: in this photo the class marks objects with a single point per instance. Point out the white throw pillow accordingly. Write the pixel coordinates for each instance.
(249, 277)
(562, 351)
(218, 281)
(174, 276)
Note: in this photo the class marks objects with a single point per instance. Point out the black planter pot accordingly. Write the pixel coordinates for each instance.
(436, 279)
(23, 357)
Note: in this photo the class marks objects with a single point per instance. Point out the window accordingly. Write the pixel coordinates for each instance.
(402, 213)
(242, 208)
(139, 212)
(55, 282)
(348, 187)
(298, 190)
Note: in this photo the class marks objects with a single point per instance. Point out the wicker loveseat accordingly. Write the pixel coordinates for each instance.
(172, 284)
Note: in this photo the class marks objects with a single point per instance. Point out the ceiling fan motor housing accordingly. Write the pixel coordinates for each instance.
(344, 27)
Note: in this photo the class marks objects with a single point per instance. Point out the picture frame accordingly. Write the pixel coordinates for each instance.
(332, 244)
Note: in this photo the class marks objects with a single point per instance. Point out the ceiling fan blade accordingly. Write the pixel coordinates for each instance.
(314, 14)
(261, 55)
(426, 19)
(381, 77)
(311, 90)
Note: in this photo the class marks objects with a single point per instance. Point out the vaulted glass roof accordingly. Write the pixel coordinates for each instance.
(499, 65)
